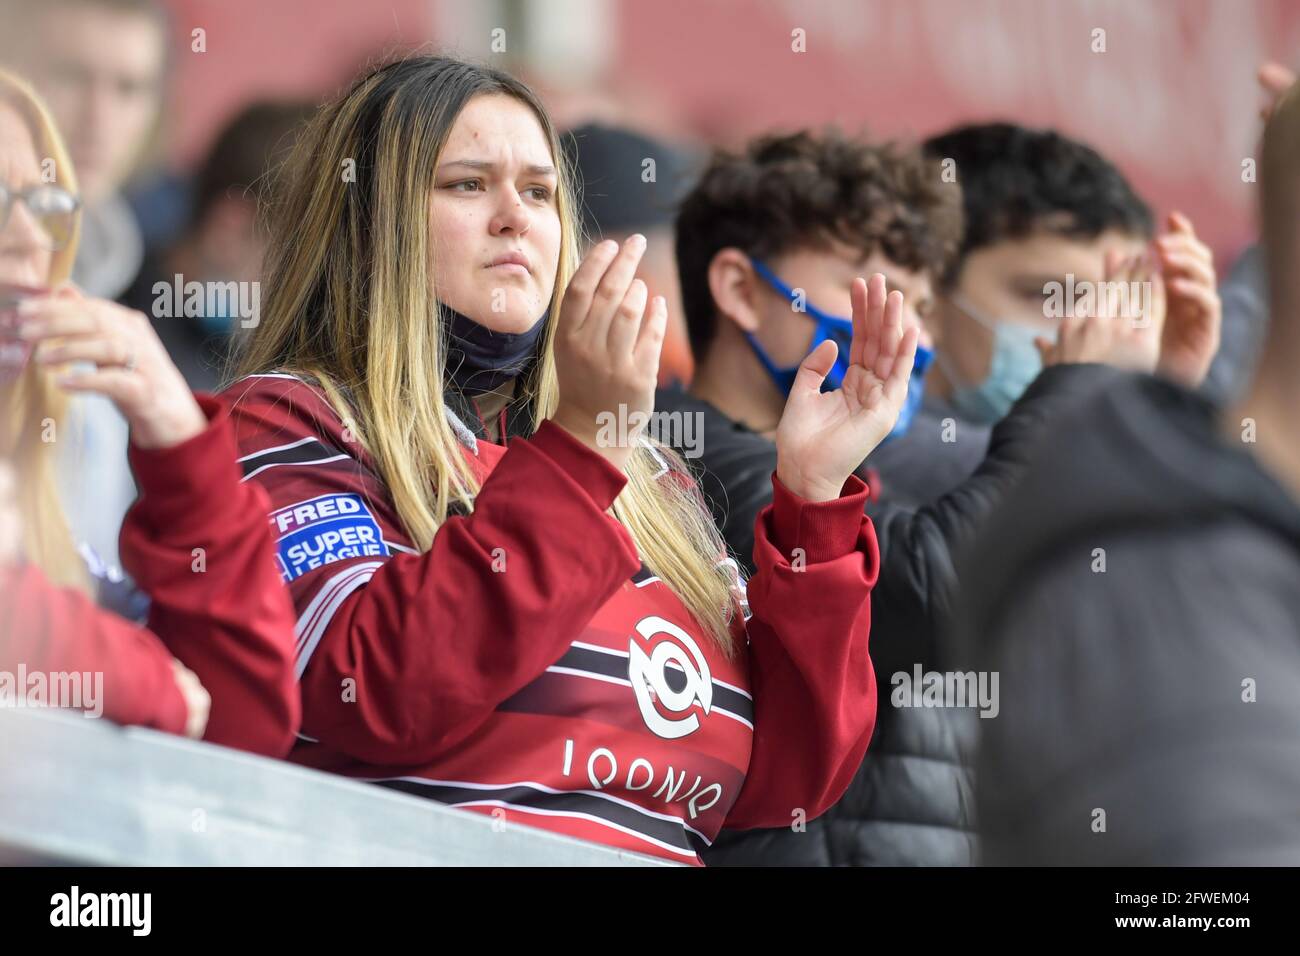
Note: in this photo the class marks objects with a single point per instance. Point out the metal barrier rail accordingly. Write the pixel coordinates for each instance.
(81, 791)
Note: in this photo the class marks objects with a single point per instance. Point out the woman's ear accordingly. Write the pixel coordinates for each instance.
(734, 286)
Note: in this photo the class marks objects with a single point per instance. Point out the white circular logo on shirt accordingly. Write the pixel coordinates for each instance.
(667, 712)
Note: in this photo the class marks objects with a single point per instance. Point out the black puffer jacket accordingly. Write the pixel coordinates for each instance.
(1150, 704)
(911, 803)
(915, 468)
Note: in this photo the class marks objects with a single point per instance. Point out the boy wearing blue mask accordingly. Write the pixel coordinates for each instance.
(776, 269)
(768, 243)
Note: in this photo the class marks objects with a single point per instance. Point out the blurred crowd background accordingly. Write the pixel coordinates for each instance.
(180, 128)
(1163, 101)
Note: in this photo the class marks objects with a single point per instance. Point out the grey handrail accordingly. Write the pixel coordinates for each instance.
(83, 791)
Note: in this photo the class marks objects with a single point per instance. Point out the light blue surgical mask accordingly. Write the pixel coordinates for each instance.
(1014, 365)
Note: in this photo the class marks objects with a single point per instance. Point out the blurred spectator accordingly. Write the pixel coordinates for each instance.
(1038, 206)
(630, 183)
(219, 621)
(222, 241)
(1245, 320)
(1245, 290)
(100, 66)
(1139, 601)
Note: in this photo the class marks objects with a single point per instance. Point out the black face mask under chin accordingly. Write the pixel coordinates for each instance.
(480, 360)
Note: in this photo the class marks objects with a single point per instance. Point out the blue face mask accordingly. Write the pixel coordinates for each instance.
(480, 360)
(215, 323)
(915, 392)
(840, 331)
(1014, 365)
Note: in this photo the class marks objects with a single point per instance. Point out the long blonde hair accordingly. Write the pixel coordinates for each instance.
(32, 405)
(349, 301)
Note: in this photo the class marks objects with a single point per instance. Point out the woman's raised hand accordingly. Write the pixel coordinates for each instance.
(607, 349)
(823, 436)
(132, 368)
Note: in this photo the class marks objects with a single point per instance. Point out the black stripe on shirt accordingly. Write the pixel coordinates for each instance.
(615, 665)
(305, 453)
(670, 832)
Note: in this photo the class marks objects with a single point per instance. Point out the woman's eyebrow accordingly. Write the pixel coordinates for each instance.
(536, 169)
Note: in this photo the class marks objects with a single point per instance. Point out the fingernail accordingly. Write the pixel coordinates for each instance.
(609, 247)
(27, 306)
(28, 330)
(636, 240)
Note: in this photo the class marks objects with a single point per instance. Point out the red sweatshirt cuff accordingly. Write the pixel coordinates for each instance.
(602, 480)
(172, 712)
(825, 530)
(62, 630)
(181, 487)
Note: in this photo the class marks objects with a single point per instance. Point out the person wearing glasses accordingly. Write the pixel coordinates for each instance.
(100, 68)
(216, 658)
